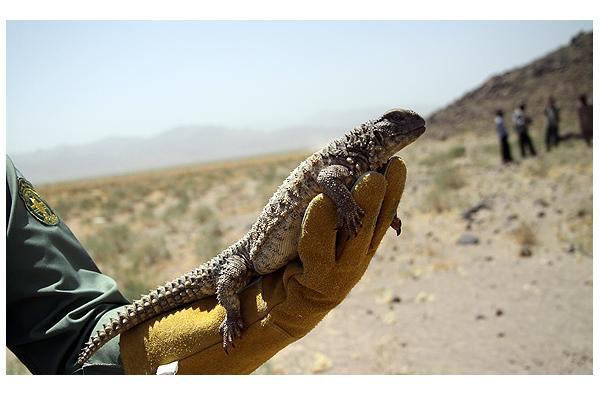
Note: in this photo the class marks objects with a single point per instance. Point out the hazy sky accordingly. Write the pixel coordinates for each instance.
(77, 82)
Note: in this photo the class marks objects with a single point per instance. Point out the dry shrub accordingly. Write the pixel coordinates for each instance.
(449, 178)
(443, 194)
(577, 230)
(204, 214)
(437, 201)
(439, 158)
(539, 168)
(209, 242)
(524, 235)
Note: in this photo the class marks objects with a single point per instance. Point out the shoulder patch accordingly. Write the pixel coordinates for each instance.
(35, 205)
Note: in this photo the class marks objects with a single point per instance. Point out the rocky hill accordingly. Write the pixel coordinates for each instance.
(565, 74)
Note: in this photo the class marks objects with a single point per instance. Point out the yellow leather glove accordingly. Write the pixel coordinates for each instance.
(281, 307)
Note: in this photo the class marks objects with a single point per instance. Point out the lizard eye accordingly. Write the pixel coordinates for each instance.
(398, 116)
(404, 119)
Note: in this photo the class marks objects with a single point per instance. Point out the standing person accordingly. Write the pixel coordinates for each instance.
(521, 124)
(503, 137)
(552, 119)
(584, 110)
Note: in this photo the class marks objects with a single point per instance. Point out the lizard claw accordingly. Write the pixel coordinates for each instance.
(231, 329)
(350, 219)
(396, 225)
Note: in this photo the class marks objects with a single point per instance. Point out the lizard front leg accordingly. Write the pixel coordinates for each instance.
(233, 275)
(333, 180)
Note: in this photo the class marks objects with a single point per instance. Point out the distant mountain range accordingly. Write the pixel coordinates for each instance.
(564, 73)
(179, 146)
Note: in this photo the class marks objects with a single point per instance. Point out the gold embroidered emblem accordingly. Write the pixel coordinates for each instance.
(35, 205)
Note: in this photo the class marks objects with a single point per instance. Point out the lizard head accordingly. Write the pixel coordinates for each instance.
(369, 146)
(398, 128)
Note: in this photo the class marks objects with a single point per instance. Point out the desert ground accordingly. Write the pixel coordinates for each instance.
(505, 288)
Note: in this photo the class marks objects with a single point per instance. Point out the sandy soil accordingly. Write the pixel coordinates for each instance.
(430, 306)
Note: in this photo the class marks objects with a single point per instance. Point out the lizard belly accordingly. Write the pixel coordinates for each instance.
(274, 238)
(280, 243)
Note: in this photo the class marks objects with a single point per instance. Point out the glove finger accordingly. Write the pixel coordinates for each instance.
(368, 192)
(395, 175)
(316, 247)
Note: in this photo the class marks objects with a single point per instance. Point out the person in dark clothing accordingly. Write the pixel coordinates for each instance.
(552, 119)
(503, 137)
(521, 124)
(584, 111)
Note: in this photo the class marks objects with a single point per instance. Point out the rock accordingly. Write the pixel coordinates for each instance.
(467, 215)
(499, 312)
(529, 288)
(468, 239)
(570, 248)
(541, 214)
(385, 298)
(423, 297)
(396, 299)
(416, 273)
(321, 363)
(525, 252)
(541, 202)
(512, 217)
(389, 318)
(488, 258)
(480, 317)
(500, 335)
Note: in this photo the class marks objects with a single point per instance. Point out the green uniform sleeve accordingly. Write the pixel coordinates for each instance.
(56, 296)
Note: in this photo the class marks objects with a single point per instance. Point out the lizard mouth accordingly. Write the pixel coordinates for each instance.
(408, 136)
(418, 131)
(414, 132)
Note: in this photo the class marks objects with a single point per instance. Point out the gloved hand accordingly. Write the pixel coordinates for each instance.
(281, 307)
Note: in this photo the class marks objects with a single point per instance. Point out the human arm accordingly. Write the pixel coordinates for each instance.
(55, 294)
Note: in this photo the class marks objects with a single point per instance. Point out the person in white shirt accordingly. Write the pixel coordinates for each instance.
(503, 137)
(521, 124)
